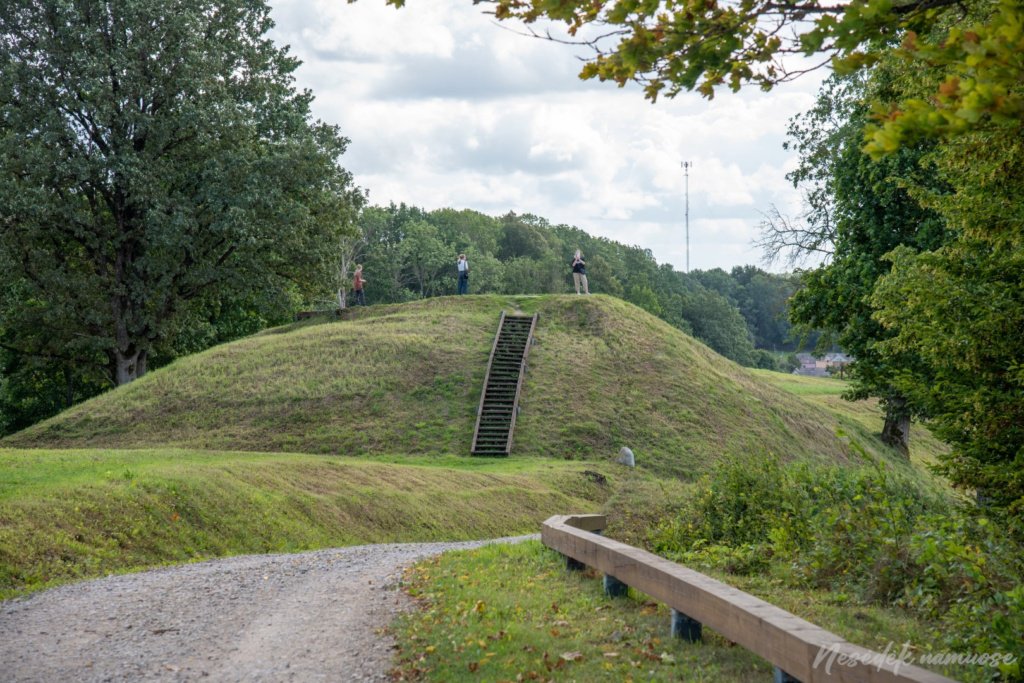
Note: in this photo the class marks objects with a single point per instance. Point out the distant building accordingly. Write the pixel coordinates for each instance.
(828, 365)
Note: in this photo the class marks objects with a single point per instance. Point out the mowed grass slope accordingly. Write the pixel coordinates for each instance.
(84, 513)
(859, 416)
(405, 380)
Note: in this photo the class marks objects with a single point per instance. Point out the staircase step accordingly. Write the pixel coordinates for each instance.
(500, 396)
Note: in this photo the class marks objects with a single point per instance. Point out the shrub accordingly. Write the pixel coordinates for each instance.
(867, 531)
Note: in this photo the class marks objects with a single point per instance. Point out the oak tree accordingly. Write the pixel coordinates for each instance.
(153, 153)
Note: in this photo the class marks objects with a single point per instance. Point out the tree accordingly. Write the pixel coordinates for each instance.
(869, 213)
(960, 307)
(520, 239)
(642, 295)
(488, 273)
(717, 323)
(427, 258)
(467, 227)
(601, 276)
(348, 254)
(717, 280)
(153, 152)
(764, 303)
(384, 229)
(668, 47)
(939, 316)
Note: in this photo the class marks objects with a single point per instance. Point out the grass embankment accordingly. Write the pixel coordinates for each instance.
(865, 416)
(76, 514)
(405, 380)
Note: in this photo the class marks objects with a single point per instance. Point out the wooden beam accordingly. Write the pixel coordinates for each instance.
(801, 649)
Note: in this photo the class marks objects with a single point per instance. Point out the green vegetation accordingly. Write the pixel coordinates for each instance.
(410, 253)
(870, 533)
(914, 180)
(83, 513)
(405, 380)
(865, 208)
(147, 213)
(157, 163)
(873, 554)
(390, 391)
(924, 285)
(858, 418)
(507, 611)
(502, 612)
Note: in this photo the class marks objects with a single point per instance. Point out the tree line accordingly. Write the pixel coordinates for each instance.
(409, 253)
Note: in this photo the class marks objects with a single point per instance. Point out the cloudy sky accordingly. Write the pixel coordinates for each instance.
(445, 108)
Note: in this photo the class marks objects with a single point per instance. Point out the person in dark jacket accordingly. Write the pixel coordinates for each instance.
(579, 273)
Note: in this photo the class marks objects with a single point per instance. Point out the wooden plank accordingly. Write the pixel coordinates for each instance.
(785, 640)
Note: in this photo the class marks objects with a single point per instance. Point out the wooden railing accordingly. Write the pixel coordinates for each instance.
(799, 650)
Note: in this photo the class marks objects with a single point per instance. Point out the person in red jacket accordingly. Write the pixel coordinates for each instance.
(357, 285)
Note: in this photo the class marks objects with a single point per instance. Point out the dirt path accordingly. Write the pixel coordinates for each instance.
(313, 616)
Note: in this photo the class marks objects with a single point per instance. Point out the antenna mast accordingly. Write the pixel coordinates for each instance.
(687, 165)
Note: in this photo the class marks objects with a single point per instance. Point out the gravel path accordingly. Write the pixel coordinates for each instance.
(313, 616)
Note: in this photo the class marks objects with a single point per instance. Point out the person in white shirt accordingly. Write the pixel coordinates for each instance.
(463, 265)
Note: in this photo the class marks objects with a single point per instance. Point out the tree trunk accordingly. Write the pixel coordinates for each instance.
(69, 387)
(896, 430)
(342, 298)
(128, 366)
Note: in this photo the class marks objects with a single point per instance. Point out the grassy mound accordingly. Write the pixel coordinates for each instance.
(406, 379)
(330, 433)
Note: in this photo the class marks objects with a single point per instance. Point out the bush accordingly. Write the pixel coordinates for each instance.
(969, 579)
(865, 531)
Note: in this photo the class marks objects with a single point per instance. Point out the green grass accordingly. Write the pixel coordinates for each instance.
(803, 385)
(505, 613)
(75, 514)
(329, 433)
(405, 380)
(863, 419)
(509, 611)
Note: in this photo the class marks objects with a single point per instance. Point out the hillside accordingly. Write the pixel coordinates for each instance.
(405, 380)
(72, 514)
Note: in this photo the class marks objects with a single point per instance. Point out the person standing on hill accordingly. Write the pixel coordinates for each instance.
(579, 273)
(463, 265)
(357, 285)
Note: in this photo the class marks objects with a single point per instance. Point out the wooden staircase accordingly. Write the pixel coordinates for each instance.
(499, 401)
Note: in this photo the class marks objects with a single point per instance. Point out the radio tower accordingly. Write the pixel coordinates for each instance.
(687, 165)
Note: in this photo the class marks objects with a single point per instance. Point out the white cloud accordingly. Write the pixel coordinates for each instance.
(444, 108)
